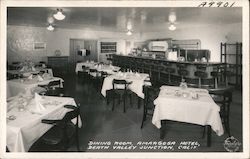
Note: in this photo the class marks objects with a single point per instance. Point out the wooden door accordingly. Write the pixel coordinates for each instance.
(91, 45)
(75, 46)
(78, 44)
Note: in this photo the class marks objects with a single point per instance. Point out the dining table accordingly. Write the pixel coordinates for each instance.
(110, 69)
(28, 72)
(188, 105)
(24, 127)
(138, 80)
(22, 85)
(89, 64)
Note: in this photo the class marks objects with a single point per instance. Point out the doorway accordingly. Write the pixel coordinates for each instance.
(77, 45)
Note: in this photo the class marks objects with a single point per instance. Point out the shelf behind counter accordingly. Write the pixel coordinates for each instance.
(158, 68)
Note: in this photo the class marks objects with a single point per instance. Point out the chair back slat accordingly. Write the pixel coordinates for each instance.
(120, 84)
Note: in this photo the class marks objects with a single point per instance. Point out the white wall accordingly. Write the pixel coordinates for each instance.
(211, 36)
(20, 40)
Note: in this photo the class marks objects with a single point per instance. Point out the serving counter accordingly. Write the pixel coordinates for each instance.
(171, 71)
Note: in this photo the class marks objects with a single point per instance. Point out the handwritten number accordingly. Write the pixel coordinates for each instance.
(219, 4)
(210, 4)
(202, 4)
(226, 4)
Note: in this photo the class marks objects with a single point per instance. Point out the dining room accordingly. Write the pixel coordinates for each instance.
(125, 79)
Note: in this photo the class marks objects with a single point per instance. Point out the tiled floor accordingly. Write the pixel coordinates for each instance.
(101, 124)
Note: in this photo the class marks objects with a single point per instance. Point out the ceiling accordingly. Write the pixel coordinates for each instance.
(116, 19)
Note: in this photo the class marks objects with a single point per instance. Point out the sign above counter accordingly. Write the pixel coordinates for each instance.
(158, 46)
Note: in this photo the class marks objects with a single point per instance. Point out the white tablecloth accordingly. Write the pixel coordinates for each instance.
(16, 86)
(101, 68)
(87, 64)
(136, 86)
(47, 70)
(27, 127)
(175, 103)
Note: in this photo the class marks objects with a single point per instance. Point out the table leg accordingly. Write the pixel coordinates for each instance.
(208, 135)
(138, 102)
(163, 129)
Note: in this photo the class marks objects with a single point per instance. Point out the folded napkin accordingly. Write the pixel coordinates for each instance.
(33, 68)
(43, 65)
(39, 78)
(30, 77)
(38, 108)
(46, 75)
(137, 74)
(22, 69)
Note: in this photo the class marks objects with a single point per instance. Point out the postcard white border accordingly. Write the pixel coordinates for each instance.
(71, 3)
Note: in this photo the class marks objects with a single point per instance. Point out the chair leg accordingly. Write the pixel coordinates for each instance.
(138, 102)
(227, 127)
(107, 100)
(113, 106)
(124, 104)
(144, 115)
(199, 82)
(227, 121)
(169, 78)
(77, 141)
(130, 98)
(204, 131)
(143, 119)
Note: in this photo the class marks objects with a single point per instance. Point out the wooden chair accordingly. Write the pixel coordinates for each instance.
(54, 84)
(223, 99)
(150, 94)
(59, 136)
(53, 88)
(55, 92)
(120, 90)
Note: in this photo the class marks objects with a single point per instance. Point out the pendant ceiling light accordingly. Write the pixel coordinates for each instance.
(59, 15)
(172, 20)
(172, 17)
(129, 32)
(172, 27)
(50, 27)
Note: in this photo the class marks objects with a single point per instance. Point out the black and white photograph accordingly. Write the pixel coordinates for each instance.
(124, 79)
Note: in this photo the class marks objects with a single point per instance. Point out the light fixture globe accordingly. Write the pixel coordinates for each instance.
(172, 17)
(59, 15)
(50, 27)
(129, 32)
(172, 27)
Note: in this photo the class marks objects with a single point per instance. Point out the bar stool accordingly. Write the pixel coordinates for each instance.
(201, 75)
(141, 67)
(182, 71)
(169, 71)
(216, 75)
(228, 74)
(159, 69)
(148, 67)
